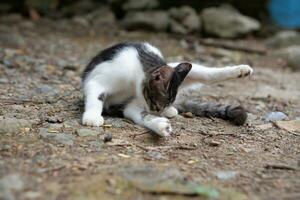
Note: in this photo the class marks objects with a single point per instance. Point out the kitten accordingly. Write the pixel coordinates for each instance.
(136, 76)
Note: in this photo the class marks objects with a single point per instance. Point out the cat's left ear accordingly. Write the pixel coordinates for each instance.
(181, 71)
(179, 74)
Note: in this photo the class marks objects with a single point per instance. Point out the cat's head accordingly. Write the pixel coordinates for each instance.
(160, 87)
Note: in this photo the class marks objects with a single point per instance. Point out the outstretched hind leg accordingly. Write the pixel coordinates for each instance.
(207, 75)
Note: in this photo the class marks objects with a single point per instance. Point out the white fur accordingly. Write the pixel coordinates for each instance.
(121, 79)
(170, 112)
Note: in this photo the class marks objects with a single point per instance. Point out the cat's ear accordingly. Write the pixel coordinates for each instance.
(179, 74)
(181, 71)
(161, 77)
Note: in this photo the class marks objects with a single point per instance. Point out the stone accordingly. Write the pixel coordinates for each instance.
(84, 132)
(155, 155)
(169, 181)
(59, 138)
(12, 39)
(292, 55)
(149, 20)
(140, 4)
(187, 17)
(96, 17)
(225, 175)
(14, 125)
(9, 184)
(227, 23)
(107, 138)
(291, 126)
(284, 39)
(176, 27)
(274, 116)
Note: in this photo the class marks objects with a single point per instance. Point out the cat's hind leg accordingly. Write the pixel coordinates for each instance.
(94, 100)
(137, 113)
(207, 75)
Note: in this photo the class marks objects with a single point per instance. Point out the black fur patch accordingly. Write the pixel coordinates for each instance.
(149, 60)
(102, 97)
(104, 55)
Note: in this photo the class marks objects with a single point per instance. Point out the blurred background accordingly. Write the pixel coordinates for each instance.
(45, 152)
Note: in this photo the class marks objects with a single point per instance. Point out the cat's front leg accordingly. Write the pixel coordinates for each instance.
(94, 99)
(137, 113)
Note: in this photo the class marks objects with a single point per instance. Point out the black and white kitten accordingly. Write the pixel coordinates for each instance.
(136, 76)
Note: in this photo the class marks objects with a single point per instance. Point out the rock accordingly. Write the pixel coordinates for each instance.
(176, 27)
(154, 155)
(10, 184)
(150, 20)
(140, 5)
(291, 55)
(46, 93)
(107, 137)
(185, 16)
(60, 138)
(84, 132)
(227, 23)
(291, 126)
(54, 119)
(96, 17)
(11, 18)
(284, 39)
(170, 181)
(81, 21)
(226, 175)
(14, 125)
(214, 143)
(12, 39)
(274, 116)
(78, 8)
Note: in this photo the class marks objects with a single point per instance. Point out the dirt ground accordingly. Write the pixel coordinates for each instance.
(51, 158)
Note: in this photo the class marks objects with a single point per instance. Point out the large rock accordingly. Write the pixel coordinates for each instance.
(284, 39)
(227, 23)
(96, 17)
(186, 17)
(291, 55)
(65, 139)
(150, 20)
(14, 125)
(140, 4)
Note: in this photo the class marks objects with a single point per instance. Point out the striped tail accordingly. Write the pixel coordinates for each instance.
(235, 114)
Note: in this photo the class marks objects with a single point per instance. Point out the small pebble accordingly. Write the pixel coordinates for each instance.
(214, 143)
(274, 116)
(188, 115)
(107, 137)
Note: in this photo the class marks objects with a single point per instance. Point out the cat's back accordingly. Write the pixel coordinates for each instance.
(125, 57)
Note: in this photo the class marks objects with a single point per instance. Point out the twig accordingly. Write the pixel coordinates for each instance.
(183, 147)
(280, 166)
(138, 134)
(151, 148)
(20, 101)
(233, 46)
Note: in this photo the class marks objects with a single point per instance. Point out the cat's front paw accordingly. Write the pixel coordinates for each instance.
(92, 119)
(243, 71)
(170, 112)
(161, 126)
